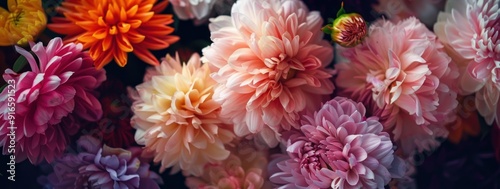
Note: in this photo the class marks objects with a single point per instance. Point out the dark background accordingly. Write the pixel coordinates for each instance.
(469, 164)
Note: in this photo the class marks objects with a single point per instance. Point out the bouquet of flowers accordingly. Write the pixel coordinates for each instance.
(250, 94)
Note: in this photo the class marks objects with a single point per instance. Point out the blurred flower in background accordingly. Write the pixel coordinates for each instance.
(22, 23)
(189, 9)
(111, 29)
(246, 167)
(114, 127)
(57, 91)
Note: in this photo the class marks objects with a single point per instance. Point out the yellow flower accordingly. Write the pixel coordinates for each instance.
(24, 20)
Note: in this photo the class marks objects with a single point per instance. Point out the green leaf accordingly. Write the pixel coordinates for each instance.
(20, 63)
(341, 10)
(3, 87)
(327, 29)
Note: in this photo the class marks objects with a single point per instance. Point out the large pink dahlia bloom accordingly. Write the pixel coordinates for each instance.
(176, 118)
(402, 72)
(338, 147)
(269, 59)
(49, 100)
(470, 30)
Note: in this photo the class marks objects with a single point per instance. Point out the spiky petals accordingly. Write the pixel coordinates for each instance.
(270, 61)
(176, 118)
(348, 30)
(471, 31)
(111, 29)
(404, 70)
(50, 99)
(338, 147)
(24, 20)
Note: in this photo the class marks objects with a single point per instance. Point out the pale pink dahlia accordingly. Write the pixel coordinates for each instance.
(245, 168)
(176, 118)
(338, 147)
(403, 73)
(49, 100)
(270, 61)
(470, 30)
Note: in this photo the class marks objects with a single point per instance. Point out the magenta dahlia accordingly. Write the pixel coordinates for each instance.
(48, 99)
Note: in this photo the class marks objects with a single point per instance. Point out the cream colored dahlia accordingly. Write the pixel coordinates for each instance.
(176, 118)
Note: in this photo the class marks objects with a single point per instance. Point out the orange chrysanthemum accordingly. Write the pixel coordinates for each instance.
(113, 28)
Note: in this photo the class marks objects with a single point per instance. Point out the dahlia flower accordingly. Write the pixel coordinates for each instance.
(270, 61)
(467, 122)
(397, 10)
(470, 31)
(24, 20)
(403, 73)
(347, 30)
(114, 127)
(102, 167)
(245, 168)
(177, 119)
(189, 9)
(111, 29)
(338, 147)
(60, 87)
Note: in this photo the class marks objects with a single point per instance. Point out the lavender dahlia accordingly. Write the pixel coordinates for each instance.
(339, 148)
(102, 167)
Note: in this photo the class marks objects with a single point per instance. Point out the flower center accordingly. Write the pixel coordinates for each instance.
(16, 16)
(311, 158)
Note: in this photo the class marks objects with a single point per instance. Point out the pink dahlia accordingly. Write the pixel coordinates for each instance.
(245, 168)
(338, 147)
(176, 118)
(48, 99)
(470, 30)
(270, 61)
(403, 73)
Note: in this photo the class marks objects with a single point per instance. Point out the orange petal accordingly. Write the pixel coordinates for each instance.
(455, 131)
(135, 37)
(123, 43)
(107, 43)
(100, 33)
(120, 58)
(158, 8)
(146, 56)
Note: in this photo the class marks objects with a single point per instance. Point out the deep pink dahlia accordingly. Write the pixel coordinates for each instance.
(270, 61)
(470, 29)
(403, 71)
(338, 147)
(57, 90)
